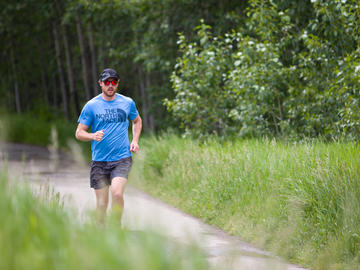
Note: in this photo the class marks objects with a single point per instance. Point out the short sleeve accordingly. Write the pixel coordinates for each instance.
(133, 111)
(86, 117)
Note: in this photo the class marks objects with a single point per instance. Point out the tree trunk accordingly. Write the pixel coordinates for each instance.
(45, 86)
(142, 96)
(9, 94)
(84, 63)
(15, 83)
(102, 55)
(70, 72)
(144, 82)
(94, 70)
(69, 65)
(56, 91)
(149, 103)
(63, 89)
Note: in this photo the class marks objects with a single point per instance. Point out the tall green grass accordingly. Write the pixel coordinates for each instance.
(299, 200)
(37, 233)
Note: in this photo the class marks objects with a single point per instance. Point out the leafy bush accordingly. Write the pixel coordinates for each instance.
(200, 98)
(277, 75)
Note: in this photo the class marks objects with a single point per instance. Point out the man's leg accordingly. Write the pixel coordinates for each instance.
(102, 200)
(117, 192)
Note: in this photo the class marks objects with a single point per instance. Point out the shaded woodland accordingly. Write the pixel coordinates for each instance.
(225, 68)
(53, 51)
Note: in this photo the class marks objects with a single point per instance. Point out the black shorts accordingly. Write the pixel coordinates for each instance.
(102, 172)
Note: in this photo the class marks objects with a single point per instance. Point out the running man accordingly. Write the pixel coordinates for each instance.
(108, 115)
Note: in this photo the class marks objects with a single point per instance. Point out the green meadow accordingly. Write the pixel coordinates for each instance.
(298, 200)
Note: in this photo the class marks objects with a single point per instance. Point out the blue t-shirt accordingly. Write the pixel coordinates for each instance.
(112, 117)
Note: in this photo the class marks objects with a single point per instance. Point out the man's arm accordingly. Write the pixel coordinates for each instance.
(82, 134)
(136, 131)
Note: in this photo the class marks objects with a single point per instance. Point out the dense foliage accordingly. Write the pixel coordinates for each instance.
(286, 72)
(52, 51)
(250, 68)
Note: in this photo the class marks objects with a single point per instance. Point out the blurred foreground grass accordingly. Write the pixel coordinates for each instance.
(37, 233)
(299, 200)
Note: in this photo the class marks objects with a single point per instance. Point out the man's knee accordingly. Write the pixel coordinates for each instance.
(102, 203)
(118, 195)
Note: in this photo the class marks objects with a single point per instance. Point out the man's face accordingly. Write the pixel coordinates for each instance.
(109, 87)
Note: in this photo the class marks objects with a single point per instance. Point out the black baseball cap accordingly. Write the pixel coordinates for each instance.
(108, 73)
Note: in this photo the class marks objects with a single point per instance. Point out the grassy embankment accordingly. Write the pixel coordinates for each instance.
(301, 201)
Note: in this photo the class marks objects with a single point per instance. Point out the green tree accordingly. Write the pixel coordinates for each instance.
(278, 75)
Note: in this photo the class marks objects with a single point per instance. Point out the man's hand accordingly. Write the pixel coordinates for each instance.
(136, 130)
(134, 147)
(98, 135)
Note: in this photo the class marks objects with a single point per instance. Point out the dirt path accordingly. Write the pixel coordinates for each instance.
(142, 212)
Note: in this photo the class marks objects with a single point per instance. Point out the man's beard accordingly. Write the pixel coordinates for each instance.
(110, 95)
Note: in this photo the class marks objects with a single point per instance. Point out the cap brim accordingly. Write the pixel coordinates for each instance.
(104, 79)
